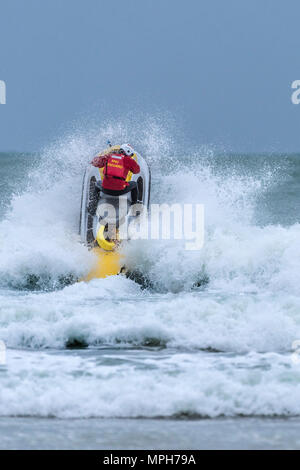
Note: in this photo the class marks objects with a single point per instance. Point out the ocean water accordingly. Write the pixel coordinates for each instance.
(197, 352)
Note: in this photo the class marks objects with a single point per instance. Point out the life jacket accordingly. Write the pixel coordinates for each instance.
(115, 168)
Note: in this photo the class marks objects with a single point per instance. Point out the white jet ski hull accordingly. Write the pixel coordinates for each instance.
(89, 223)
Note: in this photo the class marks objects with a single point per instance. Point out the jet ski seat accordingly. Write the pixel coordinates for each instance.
(132, 187)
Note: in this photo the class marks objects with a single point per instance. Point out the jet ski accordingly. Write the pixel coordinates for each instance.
(104, 216)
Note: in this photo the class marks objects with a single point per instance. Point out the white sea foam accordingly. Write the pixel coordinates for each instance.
(112, 385)
(238, 295)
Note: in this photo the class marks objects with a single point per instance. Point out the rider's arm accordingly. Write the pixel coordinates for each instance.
(99, 162)
(132, 165)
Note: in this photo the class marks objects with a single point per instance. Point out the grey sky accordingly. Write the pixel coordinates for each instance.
(223, 68)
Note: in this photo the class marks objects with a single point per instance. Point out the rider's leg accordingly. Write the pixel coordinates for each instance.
(134, 195)
(132, 187)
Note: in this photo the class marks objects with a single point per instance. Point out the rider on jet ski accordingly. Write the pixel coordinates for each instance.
(117, 165)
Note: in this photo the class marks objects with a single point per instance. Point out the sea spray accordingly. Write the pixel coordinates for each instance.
(200, 334)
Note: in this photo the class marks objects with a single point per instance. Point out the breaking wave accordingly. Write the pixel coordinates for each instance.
(239, 295)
